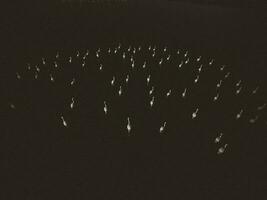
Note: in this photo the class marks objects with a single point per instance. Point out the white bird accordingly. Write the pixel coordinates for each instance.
(43, 60)
(84, 57)
(129, 49)
(153, 55)
(222, 149)
(169, 93)
(139, 49)
(194, 114)
(168, 58)
(123, 55)
(196, 80)
(78, 54)
(211, 62)
(87, 52)
(113, 80)
(129, 127)
(57, 55)
(100, 67)
(238, 83)
(70, 59)
(262, 107)
(239, 114)
(160, 62)
(216, 97)
(29, 66)
(36, 75)
(134, 51)
(148, 79)
(238, 91)
(72, 103)
(144, 65)
(222, 67)
(18, 76)
(253, 120)
(55, 64)
(105, 107)
(255, 90)
(64, 122)
(115, 51)
(165, 49)
(12, 106)
(127, 78)
(97, 55)
(51, 78)
(186, 53)
(200, 68)
(162, 127)
(37, 68)
(187, 60)
(120, 91)
(178, 51)
(149, 48)
(133, 64)
(151, 91)
(198, 59)
(184, 93)
(83, 64)
(217, 139)
(181, 64)
(227, 75)
(73, 81)
(152, 101)
(219, 84)
(109, 50)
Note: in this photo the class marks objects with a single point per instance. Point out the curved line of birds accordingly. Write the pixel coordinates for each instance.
(129, 52)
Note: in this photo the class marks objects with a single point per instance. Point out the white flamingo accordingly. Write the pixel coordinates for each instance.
(72, 103)
(148, 79)
(255, 90)
(152, 101)
(216, 97)
(127, 78)
(105, 107)
(194, 115)
(129, 127)
(217, 139)
(63, 121)
(18, 75)
(238, 83)
(113, 80)
(162, 127)
(253, 120)
(169, 93)
(219, 84)
(151, 91)
(211, 62)
(120, 91)
(52, 78)
(238, 91)
(261, 107)
(196, 80)
(184, 93)
(221, 150)
(73, 81)
(239, 114)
